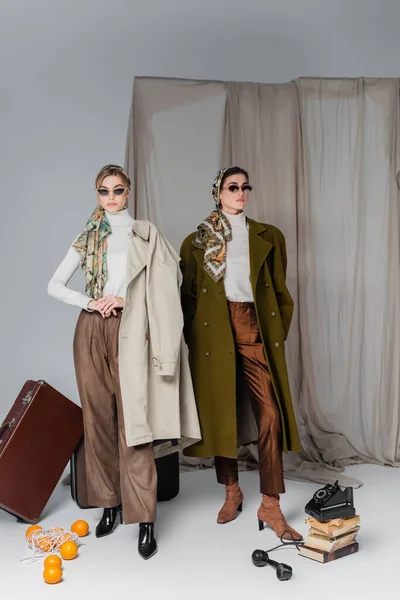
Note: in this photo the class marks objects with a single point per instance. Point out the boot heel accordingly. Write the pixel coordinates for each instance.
(108, 521)
(240, 507)
(260, 525)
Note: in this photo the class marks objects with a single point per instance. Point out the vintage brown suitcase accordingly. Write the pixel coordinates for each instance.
(37, 439)
(167, 477)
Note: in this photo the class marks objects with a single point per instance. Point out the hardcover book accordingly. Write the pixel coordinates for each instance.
(327, 544)
(324, 557)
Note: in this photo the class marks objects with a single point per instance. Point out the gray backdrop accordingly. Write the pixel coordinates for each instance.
(66, 72)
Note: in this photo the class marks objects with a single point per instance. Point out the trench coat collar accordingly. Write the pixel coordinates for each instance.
(138, 250)
(258, 249)
(141, 228)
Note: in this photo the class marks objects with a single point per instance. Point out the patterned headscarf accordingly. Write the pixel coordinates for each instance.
(92, 246)
(213, 233)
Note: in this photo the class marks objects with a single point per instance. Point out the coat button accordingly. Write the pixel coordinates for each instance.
(206, 323)
(267, 284)
(277, 344)
(205, 290)
(273, 314)
(207, 353)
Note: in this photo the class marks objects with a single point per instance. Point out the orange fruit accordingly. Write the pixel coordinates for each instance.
(52, 574)
(56, 530)
(68, 550)
(52, 561)
(80, 527)
(65, 537)
(31, 529)
(45, 543)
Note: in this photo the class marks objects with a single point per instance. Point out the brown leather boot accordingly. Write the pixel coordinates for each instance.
(271, 514)
(233, 504)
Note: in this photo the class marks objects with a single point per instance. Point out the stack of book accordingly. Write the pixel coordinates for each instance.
(331, 540)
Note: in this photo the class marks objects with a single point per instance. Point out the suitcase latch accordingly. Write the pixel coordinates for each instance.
(6, 426)
(27, 398)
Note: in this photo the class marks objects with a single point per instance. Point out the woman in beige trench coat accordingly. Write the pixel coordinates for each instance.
(130, 360)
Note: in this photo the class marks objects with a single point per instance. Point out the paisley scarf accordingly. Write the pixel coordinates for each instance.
(92, 246)
(213, 233)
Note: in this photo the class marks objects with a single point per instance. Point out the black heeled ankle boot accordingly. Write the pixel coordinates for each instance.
(108, 521)
(147, 545)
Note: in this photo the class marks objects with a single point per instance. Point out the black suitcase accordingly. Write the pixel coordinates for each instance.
(167, 477)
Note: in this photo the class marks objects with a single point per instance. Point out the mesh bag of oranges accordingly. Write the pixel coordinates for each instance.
(47, 541)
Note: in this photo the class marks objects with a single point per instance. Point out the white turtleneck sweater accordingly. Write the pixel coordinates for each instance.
(237, 275)
(117, 250)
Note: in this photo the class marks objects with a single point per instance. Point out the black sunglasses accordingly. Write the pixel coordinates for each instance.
(234, 188)
(117, 192)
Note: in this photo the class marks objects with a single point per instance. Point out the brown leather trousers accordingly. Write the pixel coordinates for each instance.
(116, 473)
(251, 361)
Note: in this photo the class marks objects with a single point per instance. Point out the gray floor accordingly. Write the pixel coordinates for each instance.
(198, 558)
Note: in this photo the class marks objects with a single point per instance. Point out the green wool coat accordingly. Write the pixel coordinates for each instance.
(209, 337)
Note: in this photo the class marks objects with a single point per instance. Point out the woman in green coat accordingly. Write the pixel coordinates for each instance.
(237, 313)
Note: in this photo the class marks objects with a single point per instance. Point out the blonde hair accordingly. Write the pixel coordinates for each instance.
(112, 170)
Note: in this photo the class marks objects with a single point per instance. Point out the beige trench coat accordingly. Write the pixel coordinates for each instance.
(156, 386)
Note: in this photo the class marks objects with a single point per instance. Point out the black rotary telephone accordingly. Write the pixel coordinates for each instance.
(331, 502)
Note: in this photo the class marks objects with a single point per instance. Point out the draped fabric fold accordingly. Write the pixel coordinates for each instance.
(349, 269)
(323, 156)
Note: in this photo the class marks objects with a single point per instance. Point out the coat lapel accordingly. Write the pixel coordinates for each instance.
(138, 250)
(217, 288)
(259, 250)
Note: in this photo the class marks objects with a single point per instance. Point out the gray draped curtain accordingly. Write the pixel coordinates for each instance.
(323, 158)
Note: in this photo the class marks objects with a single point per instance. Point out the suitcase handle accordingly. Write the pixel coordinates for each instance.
(25, 400)
(6, 426)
